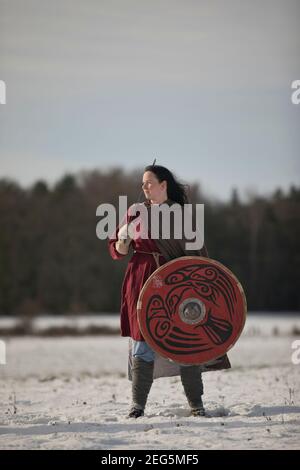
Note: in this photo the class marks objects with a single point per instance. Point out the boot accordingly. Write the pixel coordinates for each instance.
(142, 379)
(199, 411)
(191, 380)
(135, 413)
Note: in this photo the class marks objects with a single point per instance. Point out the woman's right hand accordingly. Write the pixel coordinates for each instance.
(125, 232)
(125, 236)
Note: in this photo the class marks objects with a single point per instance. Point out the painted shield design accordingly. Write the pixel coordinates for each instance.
(192, 310)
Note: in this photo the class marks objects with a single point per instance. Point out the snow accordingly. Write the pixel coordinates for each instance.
(73, 393)
(257, 324)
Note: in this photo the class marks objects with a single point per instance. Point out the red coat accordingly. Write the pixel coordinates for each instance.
(140, 267)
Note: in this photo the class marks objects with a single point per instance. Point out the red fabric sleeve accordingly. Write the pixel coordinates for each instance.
(113, 251)
(112, 245)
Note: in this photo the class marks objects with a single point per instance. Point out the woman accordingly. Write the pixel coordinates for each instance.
(159, 187)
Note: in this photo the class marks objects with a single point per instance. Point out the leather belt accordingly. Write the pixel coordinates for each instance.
(155, 255)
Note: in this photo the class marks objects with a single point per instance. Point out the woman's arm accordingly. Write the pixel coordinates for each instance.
(118, 245)
(119, 242)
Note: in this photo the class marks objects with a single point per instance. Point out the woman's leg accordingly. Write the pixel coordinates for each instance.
(142, 350)
(142, 376)
(191, 379)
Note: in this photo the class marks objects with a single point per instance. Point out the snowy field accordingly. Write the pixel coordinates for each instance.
(73, 393)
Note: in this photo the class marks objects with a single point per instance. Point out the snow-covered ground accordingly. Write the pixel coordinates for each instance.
(73, 393)
(257, 324)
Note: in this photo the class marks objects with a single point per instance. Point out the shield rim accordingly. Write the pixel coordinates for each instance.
(168, 263)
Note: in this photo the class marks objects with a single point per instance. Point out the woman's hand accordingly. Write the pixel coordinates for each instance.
(126, 231)
(125, 236)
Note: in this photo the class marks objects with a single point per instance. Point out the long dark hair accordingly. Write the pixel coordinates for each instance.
(175, 190)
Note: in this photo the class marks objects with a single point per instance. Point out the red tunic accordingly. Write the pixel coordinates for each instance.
(139, 268)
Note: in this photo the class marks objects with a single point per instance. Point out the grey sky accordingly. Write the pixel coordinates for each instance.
(204, 86)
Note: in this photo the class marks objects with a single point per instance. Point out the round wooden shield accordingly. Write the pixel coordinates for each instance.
(192, 310)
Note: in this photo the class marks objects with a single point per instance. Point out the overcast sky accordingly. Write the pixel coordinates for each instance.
(203, 86)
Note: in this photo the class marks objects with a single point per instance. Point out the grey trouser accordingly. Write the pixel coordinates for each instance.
(142, 379)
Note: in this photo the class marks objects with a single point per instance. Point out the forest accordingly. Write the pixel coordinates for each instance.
(51, 260)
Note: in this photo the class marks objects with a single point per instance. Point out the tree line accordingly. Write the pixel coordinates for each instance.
(52, 262)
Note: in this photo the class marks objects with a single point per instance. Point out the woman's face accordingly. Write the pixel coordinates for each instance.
(153, 189)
